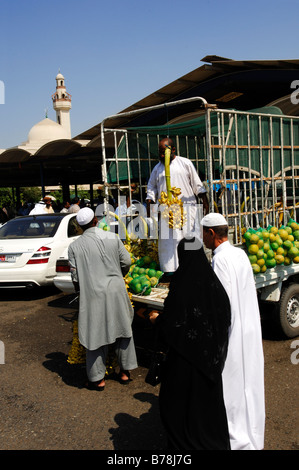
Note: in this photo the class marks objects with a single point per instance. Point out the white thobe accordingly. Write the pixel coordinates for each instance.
(39, 208)
(73, 208)
(183, 175)
(243, 374)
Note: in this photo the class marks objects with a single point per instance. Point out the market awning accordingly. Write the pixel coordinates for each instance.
(227, 83)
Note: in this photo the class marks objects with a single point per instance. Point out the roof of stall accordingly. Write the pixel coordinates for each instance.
(227, 83)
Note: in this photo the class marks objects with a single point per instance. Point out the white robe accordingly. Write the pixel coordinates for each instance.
(183, 175)
(39, 208)
(243, 374)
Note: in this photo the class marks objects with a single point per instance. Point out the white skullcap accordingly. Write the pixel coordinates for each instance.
(213, 220)
(84, 216)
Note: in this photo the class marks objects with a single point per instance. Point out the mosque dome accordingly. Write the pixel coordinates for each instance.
(59, 76)
(46, 131)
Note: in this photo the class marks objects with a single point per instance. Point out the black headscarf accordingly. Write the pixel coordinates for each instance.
(196, 314)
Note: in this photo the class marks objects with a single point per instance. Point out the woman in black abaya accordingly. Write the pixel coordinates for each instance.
(194, 324)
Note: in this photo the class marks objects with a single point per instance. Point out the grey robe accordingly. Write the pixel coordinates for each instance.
(97, 259)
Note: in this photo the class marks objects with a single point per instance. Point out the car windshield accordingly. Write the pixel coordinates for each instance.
(42, 226)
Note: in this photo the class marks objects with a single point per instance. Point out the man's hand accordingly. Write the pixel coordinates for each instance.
(205, 203)
(148, 207)
(77, 287)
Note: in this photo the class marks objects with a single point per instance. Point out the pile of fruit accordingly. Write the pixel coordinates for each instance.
(144, 274)
(267, 248)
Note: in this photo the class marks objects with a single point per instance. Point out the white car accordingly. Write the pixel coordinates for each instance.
(30, 246)
(63, 279)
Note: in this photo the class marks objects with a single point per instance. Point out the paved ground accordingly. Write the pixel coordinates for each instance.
(44, 405)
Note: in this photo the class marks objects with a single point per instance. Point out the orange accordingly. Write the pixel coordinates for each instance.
(279, 259)
(256, 269)
(253, 249)
(254, 238)
(283, 234)
(270, 254)
(293, 252)
(252, 259)
(266, 247)
(260, 262)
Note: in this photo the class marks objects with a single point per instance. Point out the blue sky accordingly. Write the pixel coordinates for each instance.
(113, 54)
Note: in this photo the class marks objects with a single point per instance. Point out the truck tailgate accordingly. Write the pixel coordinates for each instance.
(274, 275)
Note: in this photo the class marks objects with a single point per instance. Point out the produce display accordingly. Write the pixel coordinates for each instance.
(143, 275)
(271, 247)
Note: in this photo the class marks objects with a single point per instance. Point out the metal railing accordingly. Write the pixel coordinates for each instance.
(257, 165)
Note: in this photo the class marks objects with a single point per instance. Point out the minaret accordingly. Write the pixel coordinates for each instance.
(62, 104)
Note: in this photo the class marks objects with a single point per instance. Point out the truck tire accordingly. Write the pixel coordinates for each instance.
(289, 311)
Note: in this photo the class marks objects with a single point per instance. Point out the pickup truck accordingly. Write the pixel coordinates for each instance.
(249, 161)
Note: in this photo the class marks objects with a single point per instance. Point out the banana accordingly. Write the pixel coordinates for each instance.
(173, 209)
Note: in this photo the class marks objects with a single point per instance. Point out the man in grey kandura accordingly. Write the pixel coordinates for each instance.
(98, 261)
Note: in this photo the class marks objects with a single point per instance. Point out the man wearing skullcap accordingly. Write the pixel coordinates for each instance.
(243, 373)
(43, 207)
(48, 202)
(98, 261)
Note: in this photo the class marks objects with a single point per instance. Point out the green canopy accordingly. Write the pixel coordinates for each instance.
(231, 135)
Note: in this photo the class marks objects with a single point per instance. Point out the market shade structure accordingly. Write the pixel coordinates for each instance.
(242, 85)
(227, 83)
(55, 163)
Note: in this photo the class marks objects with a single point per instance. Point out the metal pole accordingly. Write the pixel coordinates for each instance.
(104, 171)
(209, 159)
(158, 106)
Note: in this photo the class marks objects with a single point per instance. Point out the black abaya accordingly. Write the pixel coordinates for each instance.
(194, 324)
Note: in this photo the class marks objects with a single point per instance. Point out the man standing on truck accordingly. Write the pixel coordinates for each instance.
(243, 374)
(183, 175)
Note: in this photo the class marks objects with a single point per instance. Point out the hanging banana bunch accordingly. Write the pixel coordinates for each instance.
(173, 209)
(77, 354)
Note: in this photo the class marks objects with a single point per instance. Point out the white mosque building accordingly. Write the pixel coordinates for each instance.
(48, 130)
(50, 158)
